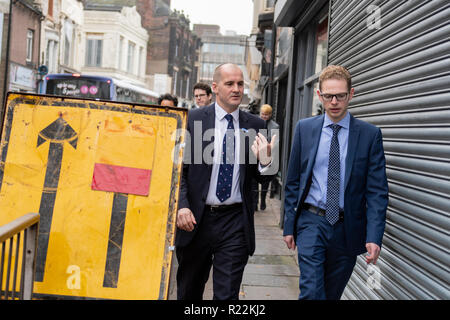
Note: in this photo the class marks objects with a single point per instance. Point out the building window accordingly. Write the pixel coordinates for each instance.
(270, 4)
(175, 75)
(317, 107)
(321, 45)
(311, 46)
(30, 38)
(161, 8)
(130, 61)
(121, 41)
(187, 87)
(207, 70)
(94, 52)
(140, 62)
(68, 40)
(51, 54)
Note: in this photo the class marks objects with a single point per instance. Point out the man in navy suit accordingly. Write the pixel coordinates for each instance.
(215, 211)
(336, 191)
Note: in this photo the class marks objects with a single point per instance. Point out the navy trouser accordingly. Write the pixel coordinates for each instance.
(220, 242)
(325, 268)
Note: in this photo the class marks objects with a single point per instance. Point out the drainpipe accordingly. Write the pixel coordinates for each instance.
(5, 84)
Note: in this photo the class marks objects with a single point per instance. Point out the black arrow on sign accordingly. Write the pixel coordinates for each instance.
(116, 231)
(57, 133)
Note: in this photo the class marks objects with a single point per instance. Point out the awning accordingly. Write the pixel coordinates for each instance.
(126, 85)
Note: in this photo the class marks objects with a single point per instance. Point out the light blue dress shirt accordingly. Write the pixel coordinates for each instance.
(317, 195)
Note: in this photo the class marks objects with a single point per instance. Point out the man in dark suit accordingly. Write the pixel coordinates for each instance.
(215, 212)
(336, 191)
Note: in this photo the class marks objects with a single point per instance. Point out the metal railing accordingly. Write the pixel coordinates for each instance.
(25, 227)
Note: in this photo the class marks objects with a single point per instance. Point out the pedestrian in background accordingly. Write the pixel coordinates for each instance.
(168, 100)
(336, 191)
(202, 94)
(265, 113)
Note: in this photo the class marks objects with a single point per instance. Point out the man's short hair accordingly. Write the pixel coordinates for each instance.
(169, 97)
(218, 71)
(203, 86)
(336, 73)
(266, 108)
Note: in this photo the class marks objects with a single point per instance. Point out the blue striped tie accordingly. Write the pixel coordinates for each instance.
(225, 178)
(334, 178)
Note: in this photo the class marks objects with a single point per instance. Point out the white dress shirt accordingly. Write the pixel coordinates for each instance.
(220, 128)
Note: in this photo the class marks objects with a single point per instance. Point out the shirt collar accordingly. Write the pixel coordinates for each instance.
(221, 113)
(345, 122)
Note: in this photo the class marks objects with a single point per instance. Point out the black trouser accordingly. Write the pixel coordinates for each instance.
(219, 242)
(264, 189)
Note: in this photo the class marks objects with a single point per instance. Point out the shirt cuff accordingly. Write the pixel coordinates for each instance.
(262, 168)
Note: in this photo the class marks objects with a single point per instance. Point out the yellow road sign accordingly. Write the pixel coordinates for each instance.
(105, 178)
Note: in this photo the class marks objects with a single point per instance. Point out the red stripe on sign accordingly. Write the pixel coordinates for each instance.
(121, 179)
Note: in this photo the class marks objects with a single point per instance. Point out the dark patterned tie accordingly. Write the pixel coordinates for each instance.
(225, 178)
(334, 178)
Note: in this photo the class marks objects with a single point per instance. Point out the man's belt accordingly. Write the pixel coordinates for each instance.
(320, 211)
(223, 208)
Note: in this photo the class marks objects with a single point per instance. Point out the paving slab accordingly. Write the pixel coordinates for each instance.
(268, 293)
(273, 259)
(270, 232)
(270, 269)
(269, 280)
(272, 247)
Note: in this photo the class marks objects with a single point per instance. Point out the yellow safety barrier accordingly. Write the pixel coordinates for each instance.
(105, 178)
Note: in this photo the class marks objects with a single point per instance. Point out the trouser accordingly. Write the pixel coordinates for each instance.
(219, 242)
(264, 189)
(271, 185)
(325, 268)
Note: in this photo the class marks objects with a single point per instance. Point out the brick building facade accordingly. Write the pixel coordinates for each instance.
(173, 47)
(24, 46)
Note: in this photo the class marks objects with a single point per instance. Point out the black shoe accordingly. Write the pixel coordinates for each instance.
(262, 206)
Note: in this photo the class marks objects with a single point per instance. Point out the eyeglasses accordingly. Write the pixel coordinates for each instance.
(200, 95)
(339, 96)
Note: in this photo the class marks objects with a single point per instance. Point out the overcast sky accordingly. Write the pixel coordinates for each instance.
(236, 15)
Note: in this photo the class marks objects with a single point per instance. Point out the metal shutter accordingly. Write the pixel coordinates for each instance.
(401, 76)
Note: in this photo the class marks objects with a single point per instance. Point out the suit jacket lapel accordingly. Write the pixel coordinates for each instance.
(315, 139)
(353, 138)
(243, 123)
(208, 123)
(209, 119)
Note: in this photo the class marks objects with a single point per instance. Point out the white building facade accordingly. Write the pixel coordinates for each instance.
(71, 23)
(115, 45)
(61, 35)
(50, 34)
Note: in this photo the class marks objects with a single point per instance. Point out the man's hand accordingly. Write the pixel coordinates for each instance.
(374, 251)
(185, 219)
(262, 149)
(289, 240)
